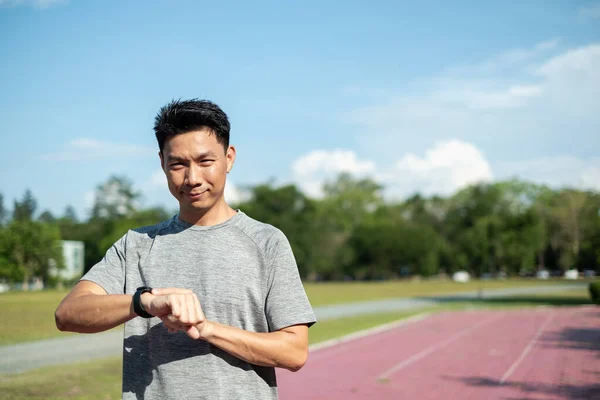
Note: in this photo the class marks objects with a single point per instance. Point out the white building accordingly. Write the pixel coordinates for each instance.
(73, 255)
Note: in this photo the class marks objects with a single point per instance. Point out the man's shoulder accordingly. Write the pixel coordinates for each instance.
(261, 233)
(149, 231)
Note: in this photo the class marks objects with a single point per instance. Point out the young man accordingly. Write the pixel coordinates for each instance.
(211, 299)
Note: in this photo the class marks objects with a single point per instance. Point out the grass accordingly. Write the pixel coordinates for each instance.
(29, 316)
(101, 379)
(577, 297)
(337, 293)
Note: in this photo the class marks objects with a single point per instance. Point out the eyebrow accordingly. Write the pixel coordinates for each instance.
(200, 156)
(171, 159)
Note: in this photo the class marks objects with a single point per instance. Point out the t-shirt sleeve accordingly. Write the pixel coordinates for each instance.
(287, 303)
(110, 271)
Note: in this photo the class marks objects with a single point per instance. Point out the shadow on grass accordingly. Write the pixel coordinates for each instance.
(563, 390)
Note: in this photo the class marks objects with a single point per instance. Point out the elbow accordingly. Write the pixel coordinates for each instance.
(60, 318)
(298, 361)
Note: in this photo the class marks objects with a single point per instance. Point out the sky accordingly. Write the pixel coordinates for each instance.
(427, 97)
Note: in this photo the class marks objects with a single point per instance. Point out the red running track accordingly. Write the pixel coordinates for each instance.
(544, 353)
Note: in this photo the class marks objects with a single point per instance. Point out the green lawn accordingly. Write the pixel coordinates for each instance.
(30, 316)
(101, 379)
(336, 293)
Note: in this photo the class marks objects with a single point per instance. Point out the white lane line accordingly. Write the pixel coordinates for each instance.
(514, 366)
(405, 363)
(368, 332)
(334, 346)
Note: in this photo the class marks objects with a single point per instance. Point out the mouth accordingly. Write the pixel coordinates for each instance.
(195, 195)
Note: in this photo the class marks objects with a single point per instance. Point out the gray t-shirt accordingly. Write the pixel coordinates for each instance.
(244, 274)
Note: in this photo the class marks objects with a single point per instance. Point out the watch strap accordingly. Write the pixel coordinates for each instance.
(137, 302)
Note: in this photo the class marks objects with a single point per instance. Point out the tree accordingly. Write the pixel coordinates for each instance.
(70, 214)
(567, 208)
(383, 247)
(115, 198)
(29, 247)
(24, 210)
(3, 212)
(47, 216)
(350, 199)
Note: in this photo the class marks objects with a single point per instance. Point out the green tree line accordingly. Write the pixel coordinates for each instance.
(352, 232)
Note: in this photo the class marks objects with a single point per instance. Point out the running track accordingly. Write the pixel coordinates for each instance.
(544, 353)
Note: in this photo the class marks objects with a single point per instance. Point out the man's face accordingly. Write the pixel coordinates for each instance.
(196, 166)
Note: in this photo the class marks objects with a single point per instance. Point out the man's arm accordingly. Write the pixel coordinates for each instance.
(88, 309)
(286, 348)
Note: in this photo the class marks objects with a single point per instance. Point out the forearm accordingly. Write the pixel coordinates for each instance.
(91, 313)
(282, 349)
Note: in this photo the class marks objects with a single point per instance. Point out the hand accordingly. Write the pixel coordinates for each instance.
(180, 310)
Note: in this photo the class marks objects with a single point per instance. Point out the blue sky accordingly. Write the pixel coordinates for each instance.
(428, 97)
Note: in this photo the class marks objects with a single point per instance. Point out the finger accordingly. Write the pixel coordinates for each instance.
(167, 291)
(193, 332)
(171, 320)
(184, 316)
(201, 317)
(171, 323)
(174, 303)
(191, 306)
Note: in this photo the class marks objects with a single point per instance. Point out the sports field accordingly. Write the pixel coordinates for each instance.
(30, 316)
(100, 379)
(547, 353)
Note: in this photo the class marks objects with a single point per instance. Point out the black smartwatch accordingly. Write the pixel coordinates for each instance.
(137, 303)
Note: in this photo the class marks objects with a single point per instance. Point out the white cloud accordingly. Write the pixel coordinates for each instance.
(551, 81)
(85, 149)
(335, 161)
(313, 169)
(590, 12)
(549, 107)
(580, 60)
(514, 96)
(89, 199)
(39, 4)
(234, 194)
(445, 168)
(158, 179)
(506, 61)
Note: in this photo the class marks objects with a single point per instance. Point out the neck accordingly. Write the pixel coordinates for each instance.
(215, 215)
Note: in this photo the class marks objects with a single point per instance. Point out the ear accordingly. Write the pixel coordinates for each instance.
(230, 156)
(162, 163)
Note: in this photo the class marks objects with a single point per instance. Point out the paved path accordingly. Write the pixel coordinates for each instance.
(550, 354)
(26, 356)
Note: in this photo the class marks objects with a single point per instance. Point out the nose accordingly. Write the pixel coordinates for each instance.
(193, 176)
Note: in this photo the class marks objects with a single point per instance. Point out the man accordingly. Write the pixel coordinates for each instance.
(211, 299)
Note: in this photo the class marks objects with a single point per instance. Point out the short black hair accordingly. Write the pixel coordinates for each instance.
(183, 116)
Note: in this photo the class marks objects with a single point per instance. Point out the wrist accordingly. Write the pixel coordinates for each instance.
(207, 330)
(145, 301)
(137, 302)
